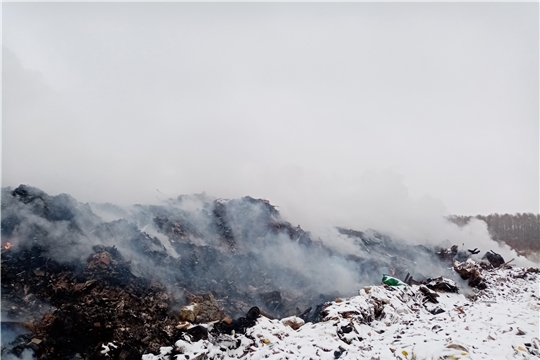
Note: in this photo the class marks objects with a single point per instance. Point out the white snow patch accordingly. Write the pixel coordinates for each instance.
(395, 323)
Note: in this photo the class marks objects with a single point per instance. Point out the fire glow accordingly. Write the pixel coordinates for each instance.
(7, 246)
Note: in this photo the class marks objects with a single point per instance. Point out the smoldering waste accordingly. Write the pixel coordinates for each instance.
(100, 281)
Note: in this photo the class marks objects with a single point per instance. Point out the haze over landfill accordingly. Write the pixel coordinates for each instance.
(365, 114)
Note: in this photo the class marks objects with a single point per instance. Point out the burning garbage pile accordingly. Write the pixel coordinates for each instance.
(101, 281)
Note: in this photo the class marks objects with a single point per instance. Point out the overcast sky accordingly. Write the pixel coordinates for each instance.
(376, 105)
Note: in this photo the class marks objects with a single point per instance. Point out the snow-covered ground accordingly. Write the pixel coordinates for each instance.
(501, 322)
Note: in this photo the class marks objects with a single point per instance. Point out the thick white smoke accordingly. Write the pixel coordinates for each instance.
(377, 200)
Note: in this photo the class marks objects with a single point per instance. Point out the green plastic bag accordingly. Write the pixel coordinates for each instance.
(392, 281)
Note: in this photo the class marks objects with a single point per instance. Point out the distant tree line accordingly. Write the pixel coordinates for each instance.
(520, 231)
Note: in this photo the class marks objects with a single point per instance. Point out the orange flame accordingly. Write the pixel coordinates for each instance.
(393, 271)
(8, 245)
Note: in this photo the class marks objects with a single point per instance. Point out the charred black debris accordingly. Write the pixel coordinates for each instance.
(73, 281)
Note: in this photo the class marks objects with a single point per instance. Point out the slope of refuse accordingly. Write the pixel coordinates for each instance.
(394, 322)
(77, 277)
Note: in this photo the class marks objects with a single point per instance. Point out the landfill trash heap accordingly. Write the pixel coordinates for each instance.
(210, 278)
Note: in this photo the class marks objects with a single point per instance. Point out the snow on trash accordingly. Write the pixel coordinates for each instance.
(392, 321)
